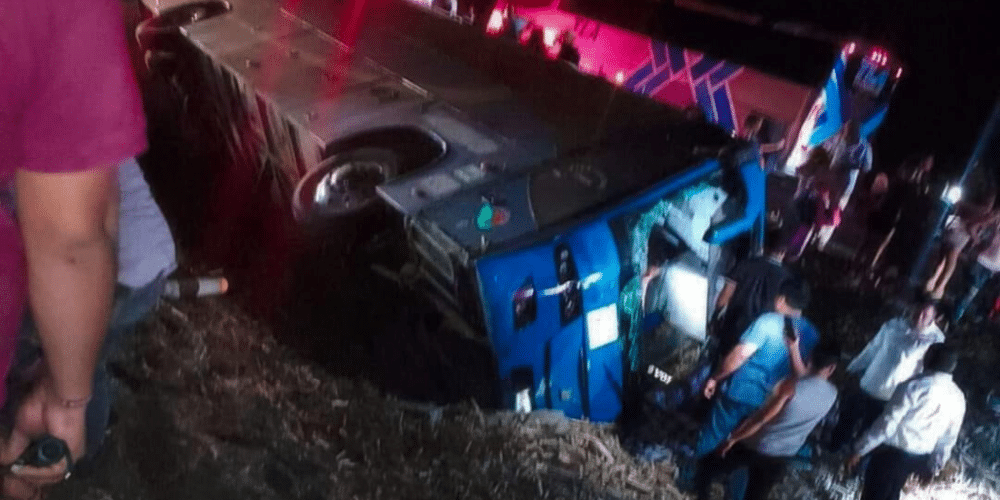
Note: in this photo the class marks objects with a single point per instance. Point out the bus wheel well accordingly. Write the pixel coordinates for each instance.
(415, 148)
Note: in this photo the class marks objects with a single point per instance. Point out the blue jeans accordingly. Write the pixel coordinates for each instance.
(132, 306)
(726, 414)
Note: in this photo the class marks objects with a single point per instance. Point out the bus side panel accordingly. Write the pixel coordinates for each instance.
(519, 349)
(565, 375)
(544, 346)
(597, 258)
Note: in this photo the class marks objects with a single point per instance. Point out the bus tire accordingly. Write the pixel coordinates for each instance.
(342, 187)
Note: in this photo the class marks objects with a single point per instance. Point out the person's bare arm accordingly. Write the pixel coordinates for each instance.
(755, 422)
(772, 147)
(733, 361)
(725, 295)
(69, 224)
(798, 365)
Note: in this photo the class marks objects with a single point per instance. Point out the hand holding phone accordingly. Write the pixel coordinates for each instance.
(790, 333)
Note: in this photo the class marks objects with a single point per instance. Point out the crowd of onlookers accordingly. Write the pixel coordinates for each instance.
(770, 387)
(893, 239)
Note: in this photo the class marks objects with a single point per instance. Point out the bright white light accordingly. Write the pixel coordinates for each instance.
(602, 326)
(850, 48)
(549, 36)
(687, 305)
(495, 24)
(899, 72)
(558, 289)
(952, 194)
(522, 401)
(620, 77)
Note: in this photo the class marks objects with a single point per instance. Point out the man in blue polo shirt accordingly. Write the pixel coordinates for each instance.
(773, 346)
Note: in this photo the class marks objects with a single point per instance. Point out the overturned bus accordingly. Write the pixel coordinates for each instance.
(566, 266)
(558, 232)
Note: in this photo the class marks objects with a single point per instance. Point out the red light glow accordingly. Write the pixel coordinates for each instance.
(880, 56)
(850, 48)
(620, 77)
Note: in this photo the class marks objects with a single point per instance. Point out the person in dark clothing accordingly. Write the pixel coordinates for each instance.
(883, 207)
(535, 42)
(567, 49)
(766, 440)
(752, 131)
(808, 206)
(916, 214)
(750, 290)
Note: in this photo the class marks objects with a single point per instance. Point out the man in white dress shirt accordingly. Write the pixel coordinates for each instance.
(892, 357)
(917, 430)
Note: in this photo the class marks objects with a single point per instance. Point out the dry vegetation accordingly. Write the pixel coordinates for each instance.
(213, 407)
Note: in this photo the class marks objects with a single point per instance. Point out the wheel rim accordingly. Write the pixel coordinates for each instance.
(350, 185)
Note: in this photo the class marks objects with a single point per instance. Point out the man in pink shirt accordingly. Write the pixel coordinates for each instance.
(69, 113)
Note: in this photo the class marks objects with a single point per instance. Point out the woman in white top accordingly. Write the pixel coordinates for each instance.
(986, 265)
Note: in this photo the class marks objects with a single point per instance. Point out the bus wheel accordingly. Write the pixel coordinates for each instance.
(343, 186)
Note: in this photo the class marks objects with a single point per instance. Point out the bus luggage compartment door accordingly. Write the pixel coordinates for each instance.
(566, 335)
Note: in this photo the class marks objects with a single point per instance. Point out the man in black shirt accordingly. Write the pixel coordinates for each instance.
(750, 290)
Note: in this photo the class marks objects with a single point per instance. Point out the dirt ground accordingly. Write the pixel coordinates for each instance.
(213, 407)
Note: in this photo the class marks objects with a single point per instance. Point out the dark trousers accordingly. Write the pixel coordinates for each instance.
(978, 276)
(763, 471)
(858, 412)
(131, 307)
(888, 471)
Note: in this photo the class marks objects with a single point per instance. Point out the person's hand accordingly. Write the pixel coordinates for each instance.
(927, 472)
(709, 390)
(725, 447)
(42, 412)
(924, 476)
(852, 463)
